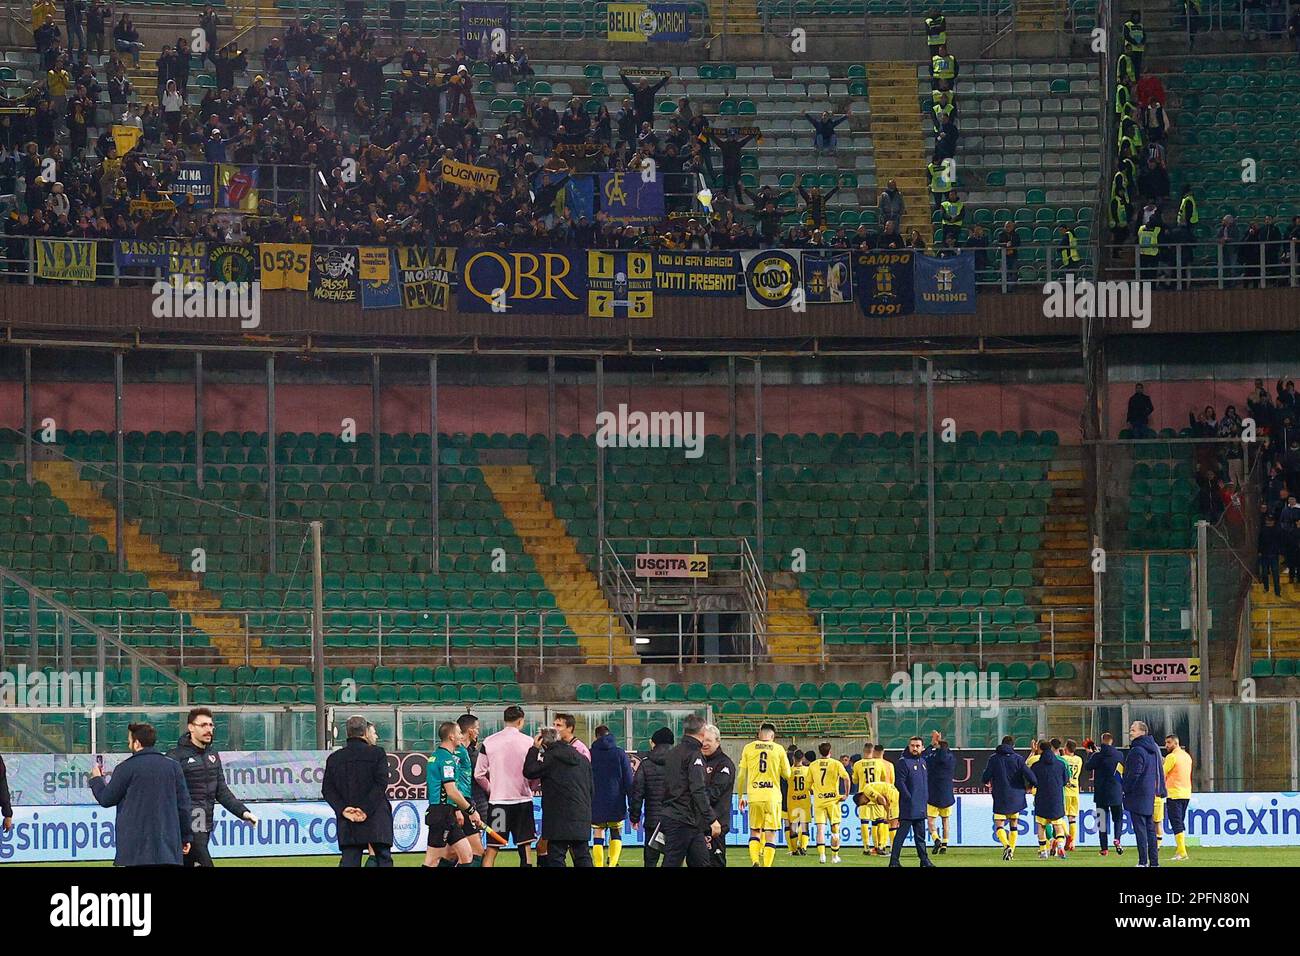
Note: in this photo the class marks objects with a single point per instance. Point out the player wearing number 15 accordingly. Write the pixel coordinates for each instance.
(763, 765)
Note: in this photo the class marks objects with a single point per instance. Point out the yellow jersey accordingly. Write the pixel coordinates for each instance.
(826, 774)
(761, 768)
(798, 789)
(1074, 764)
(1178, 774)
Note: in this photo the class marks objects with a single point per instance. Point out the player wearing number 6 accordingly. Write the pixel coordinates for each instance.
(763, 765)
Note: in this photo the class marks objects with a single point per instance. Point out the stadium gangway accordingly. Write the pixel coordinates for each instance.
(1222, 265)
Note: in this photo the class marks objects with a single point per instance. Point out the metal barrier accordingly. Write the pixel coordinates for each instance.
(1221, 265)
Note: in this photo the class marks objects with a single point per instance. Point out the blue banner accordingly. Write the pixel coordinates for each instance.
(502, 281)
(944, 286)
(826, 277)
(697, 273)
(142, 253)
(197, 180)
(477, 21)
(383, 293)
(884, 283)
(580, 197)
(647, 23)
(631, 198)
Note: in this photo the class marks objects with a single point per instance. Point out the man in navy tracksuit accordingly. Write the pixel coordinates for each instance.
(1143, 778)
(1107, 791)
(940, 765)
(911, 779)
(1010, 777)
(1050, 776)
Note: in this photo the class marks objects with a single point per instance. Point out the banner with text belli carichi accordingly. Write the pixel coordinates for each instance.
(501, 280)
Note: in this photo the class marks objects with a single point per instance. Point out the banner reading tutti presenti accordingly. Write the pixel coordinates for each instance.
(647, 23)
(477, 21)
(70, 260)
(478, 178)
(697, 273)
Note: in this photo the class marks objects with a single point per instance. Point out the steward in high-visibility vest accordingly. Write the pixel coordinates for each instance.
(954, 213)
(1149, 243)
(1187, 213)
(943, 66)
(936, 29)
(1135, 40)
(1124, 72)
(939, 111)
(1067, 249)
(940, 183)
(1118, 217)
(1123, 100)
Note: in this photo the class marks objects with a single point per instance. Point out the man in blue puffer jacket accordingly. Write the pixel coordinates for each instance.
(1050, 775)
(1009, 777)
(941, 765)
(1143, 777)
(912, 780)
(611, 782)
(1107, 790)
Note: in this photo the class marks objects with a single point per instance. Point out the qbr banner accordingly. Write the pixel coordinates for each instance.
(647, 23)
(1167, 670)
(466, 176)
(503, 281)
(672, 565)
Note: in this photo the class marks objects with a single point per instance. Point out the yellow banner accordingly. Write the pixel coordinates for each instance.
(285, 265)
(126, 138)
(150, 207)
(71, 260)
(469, 177)
(374, 263)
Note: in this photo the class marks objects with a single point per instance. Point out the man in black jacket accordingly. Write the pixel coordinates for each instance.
(720, 777)
(6, 805)
(648, 791)
(206, 781)
(356, 787)
(1139, 411)
(688, 814)
(566, 798)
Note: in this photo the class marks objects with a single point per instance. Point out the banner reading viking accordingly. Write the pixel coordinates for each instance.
(697, 273)
(884, 281)
(72, 260)
(477, 21)
(620, 285)
(478, 178)
(944, 286)
(504, 281)
(237, 187)
(285, 265)
(334, 276)
(771, 276)
(232, 262)
(425, 276)
(826, 277)
(142, 253)
(380, 286)
(194, 179)
(627, 198)
(647, 23)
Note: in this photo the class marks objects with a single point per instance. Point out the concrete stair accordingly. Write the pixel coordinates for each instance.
(736, 17)
(899, 139)
(1064, 557)
(578, 594)
(793, 636)
(1040, 16)
(184, 591)
(1275, 621)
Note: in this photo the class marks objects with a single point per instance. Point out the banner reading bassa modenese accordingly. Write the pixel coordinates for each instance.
(82, 833)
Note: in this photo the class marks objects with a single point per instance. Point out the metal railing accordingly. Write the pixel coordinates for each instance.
(1236, 264)
(755, 596)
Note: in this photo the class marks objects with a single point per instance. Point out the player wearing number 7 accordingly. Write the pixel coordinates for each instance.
(763, 765)
(830, 784)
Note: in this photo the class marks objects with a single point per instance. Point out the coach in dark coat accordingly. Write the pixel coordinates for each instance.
(1107, 790)
(648, 790)
(1007, 772)
(152, 800)
(1143, 779)
(911, 777)
(566, 798)
(356, 779)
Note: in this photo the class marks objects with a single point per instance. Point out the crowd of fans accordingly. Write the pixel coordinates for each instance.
(319, 100)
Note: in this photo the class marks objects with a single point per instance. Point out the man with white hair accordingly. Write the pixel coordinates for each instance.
(720, 778)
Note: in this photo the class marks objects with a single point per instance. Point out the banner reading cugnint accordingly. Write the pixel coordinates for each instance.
(697, 273)
(620, 285)
(478, 178)
(647, 23)
(285, 265)
(425, 276)
(672, 565)
(69, 260)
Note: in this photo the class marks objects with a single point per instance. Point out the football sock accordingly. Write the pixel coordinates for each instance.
(1074, 830)
(1180, 841)
(1012, 834)
(615, 851)
(598, 852)
(1001, 833)
(803, 841)
(769, 853)
(755, 850)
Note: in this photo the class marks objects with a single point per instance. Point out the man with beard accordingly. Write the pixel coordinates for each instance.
(206, 782)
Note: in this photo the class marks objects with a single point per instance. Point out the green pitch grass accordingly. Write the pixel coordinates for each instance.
(1026, 856)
